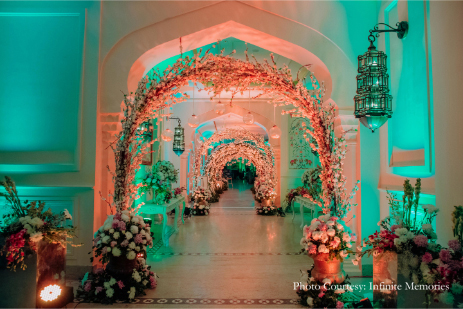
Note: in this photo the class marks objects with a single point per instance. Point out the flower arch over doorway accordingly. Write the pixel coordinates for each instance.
(265, 168)
(236, 135)
(225, 73)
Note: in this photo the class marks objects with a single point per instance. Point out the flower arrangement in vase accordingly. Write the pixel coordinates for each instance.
(27, 225)
(327, 240)
(160, 179)
(266, 195)
(201, 205)
(122, 235)
(120, 244)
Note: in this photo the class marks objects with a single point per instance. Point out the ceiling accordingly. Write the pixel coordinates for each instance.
(230, 120)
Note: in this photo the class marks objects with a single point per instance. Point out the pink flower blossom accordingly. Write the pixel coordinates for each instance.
(120, 284)
(421, 240)
(334, 244)
(339, 305)
(444, 255)
(454, 245)
(125, 243)
(99, 289)
(113, 243)
(321, 295)
(394, 227)
(122, 225)
(427, 258)
(117, 216)
(138, 239)
(312, 249)
(104, 250)
(115, 224)
(88, 286)
(323, 227)
(153, 282)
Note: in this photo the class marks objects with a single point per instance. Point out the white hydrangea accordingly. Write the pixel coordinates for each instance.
(134, 229)
(116, 251)
(131, 255)
(110, 292)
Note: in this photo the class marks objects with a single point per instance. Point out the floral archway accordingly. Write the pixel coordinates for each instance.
(225, 153)
(236, 135)
(224, 73)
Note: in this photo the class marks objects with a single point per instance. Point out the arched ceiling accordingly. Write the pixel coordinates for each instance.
(229, 45)
(232, 121)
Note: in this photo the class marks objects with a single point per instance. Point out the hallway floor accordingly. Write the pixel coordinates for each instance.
(231, 258)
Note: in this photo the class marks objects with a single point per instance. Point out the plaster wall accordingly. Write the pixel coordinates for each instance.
(49, 107)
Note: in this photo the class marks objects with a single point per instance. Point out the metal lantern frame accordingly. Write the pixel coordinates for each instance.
(178, 146)
(373, 103)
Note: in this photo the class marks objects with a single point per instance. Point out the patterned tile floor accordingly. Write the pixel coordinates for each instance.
(231, 258)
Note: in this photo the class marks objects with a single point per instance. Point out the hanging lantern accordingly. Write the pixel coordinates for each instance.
(274, 132)
(193, 121)
(373, 103)
(219, 108)
(167, 135)
(248, 118)
(179, 138)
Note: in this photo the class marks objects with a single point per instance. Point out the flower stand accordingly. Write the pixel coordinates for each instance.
(51, 264)
(324, 268)
(121, 268)
(385, 279)
(18, 288)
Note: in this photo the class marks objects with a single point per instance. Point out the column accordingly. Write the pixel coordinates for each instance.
(277, 153)
(369, 206)
(447, 67)
(184, 170)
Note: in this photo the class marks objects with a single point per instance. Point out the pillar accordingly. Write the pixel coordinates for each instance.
(369, 206)
(447, 76)
(184, 170)
(277, 153)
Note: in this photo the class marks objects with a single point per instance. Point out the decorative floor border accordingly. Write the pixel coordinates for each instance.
(224, 254)
(210, 301)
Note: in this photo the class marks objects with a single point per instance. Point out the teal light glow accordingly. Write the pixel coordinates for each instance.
(408, 59)
(41, 79)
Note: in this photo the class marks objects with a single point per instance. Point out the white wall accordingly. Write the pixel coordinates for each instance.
(49, 107)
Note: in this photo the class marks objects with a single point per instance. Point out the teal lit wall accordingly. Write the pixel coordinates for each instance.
(410, 127)
(41, 80)
(48, 111)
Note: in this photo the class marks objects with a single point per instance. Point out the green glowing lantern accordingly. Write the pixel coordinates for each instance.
(179, 138)
(373, 103)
